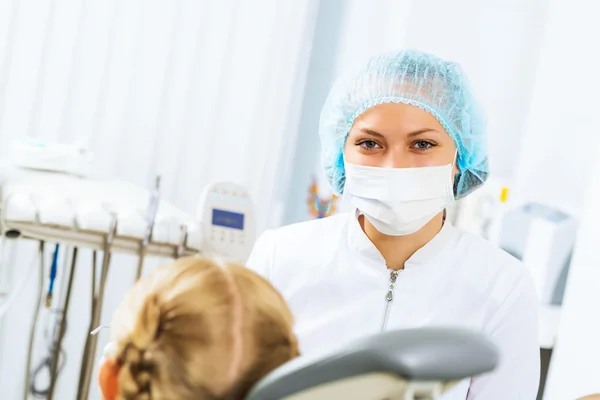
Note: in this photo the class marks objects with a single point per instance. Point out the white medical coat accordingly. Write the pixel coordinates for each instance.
(336, 281)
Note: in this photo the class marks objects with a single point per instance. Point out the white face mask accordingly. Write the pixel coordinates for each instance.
(399, 201)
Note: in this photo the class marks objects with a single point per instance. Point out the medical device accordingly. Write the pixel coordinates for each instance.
(543, 238)
(228, 224)
(107, 217)
(55, 157)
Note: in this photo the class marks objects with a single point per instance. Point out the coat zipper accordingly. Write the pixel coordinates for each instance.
(389, 298)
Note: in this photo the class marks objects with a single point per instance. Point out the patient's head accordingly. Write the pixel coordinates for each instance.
(199, 329)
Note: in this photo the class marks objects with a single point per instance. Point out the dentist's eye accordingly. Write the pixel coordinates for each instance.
(369, 145)
(423, 145)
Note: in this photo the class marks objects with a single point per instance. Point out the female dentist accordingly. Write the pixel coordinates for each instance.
(402, 139)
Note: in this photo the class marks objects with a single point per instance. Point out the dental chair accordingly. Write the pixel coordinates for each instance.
(406, 364)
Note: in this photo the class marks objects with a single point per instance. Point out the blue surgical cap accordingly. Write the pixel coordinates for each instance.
(411, 77)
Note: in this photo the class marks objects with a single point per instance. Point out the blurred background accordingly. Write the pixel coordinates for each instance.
(198, 91)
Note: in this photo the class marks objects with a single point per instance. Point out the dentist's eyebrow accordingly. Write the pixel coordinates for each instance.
(371, 132)
(419, 132)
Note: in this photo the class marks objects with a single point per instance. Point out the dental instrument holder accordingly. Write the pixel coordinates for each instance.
(151, 219)
(34, 320)
(183, 237)
(89, 352)
(62, 326)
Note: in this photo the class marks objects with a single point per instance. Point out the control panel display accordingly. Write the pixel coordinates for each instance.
(227, 219)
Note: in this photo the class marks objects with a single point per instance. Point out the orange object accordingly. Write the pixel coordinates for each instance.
(504, 195)
(108, 379)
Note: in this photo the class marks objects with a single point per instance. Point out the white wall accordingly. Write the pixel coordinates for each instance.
(561, 133)
(575, 364)
(559, 166)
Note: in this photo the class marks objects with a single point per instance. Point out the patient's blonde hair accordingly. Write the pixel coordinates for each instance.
(200, 329)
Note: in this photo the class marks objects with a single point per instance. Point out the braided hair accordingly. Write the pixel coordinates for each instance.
(199, 329)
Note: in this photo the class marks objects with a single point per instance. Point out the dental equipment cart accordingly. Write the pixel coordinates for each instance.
(113, 216)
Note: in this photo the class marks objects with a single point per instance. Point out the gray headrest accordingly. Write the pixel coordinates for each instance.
(423, 354)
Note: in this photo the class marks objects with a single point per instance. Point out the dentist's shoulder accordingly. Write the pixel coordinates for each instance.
(490, 269)
(296, 245)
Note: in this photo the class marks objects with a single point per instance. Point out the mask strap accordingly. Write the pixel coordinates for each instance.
(452, 176)
(454, 162)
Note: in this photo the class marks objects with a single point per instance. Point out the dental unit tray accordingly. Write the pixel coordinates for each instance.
(63, 208)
